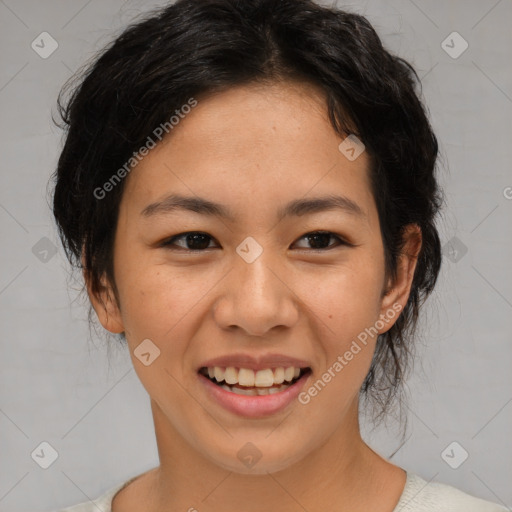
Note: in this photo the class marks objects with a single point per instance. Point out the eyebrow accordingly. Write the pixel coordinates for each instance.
(295, 208)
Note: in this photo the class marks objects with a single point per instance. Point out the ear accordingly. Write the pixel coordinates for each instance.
(397, 293)
(104, 303)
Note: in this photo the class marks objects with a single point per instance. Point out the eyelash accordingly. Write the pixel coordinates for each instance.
(169, 242)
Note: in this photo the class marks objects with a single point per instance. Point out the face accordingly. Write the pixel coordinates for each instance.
(260, 289)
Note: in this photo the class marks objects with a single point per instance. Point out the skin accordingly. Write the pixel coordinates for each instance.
(253, 149)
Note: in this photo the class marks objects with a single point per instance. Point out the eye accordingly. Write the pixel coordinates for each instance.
(320, 240)
(194, 240)
(197, 241)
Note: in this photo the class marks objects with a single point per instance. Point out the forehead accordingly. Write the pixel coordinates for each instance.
(248, 146)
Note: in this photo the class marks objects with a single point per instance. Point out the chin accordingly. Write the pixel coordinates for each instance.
(249, 460)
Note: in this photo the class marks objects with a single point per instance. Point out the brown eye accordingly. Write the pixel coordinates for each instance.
(194, 241)
(197, 241)
(319, 240)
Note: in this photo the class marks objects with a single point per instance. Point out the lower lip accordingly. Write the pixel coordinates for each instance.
(254, 406)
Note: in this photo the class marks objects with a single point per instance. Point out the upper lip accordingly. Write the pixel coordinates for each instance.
(255, 362)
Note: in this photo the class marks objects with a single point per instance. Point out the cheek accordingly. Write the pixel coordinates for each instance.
(154, 297)
(156, 306)
(346, 297)
(346, 309)
(345, 303)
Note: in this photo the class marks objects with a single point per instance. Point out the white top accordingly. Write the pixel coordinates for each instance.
(418, 496)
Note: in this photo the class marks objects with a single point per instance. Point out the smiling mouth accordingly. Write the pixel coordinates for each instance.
(243, 381)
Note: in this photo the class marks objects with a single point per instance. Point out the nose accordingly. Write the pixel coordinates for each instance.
(256, 298)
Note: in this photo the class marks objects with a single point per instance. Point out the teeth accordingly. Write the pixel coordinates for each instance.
(219, 374)
(264, 378)
(254, 391)
(245, 377)
(247, 392)
(289, 373)
(249, 378)
(279, 375)
(231, 375)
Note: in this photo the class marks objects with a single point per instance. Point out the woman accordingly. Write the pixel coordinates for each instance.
(249, 187)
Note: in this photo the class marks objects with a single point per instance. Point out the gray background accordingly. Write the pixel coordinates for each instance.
(59, 387)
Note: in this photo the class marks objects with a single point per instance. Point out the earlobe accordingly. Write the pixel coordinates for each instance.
(105, 305)
(397, 292)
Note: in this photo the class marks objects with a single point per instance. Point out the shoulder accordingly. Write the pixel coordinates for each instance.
(101, 504)
(422, 496)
